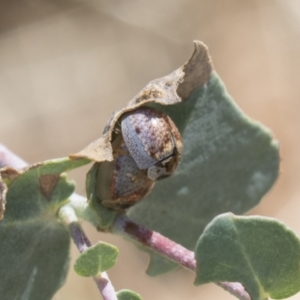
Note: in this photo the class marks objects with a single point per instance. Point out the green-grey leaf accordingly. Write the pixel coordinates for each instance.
(34, 250)
(106, 216)
(128, 295)
(229, 162)
(98, 258)
(261, 253)
(157, 264)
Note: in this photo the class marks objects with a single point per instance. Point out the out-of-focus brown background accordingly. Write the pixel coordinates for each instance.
(66, 65)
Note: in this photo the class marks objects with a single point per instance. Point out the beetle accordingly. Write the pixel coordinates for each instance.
(153, 141)
(147, 148)
(121, 183)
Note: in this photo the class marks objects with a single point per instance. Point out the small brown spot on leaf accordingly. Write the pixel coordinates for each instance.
(48, 183)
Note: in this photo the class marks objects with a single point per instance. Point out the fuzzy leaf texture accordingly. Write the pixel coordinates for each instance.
(34, 250)
(128, 295)
(261, 253)
(105, 216)
(229, 163)
(98, 258)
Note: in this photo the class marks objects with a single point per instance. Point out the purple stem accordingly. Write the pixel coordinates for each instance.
(9, 159)
(155, 241)
(79, 238)
(169, 249)
(102, 280)
(105, 287)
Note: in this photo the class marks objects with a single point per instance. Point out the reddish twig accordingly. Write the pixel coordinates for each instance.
(69, 218)
(102, 280)
(155, 241)
(79, 237)
(169, 249)
(105, 287)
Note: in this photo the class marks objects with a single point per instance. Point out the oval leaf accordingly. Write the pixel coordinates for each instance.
(229, 163)
(98, 258)
(128, 295)
(261, 253)
(34, 250)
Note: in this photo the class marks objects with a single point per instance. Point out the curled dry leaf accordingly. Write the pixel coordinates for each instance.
(171, 89)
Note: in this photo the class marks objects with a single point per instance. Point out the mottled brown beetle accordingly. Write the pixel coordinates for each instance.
(153, 141)
(148, 149)
(121, 183)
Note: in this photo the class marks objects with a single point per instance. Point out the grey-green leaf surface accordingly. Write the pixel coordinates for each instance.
(105, 215)
(128, 295)
(157, 263)
(34, 250)
(98, 258)
(261, 253)
(229, 162)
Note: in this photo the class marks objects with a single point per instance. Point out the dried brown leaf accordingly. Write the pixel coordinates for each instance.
(168, 90)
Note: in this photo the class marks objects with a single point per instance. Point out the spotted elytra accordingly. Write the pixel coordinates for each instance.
(153, 141)
(147, 149)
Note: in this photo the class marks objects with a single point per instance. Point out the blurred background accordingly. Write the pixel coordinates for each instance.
(66, 65)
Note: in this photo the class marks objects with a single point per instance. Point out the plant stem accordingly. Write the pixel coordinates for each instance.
(8, 158)
(68, 216)
(105, 287)
(169, 249)
(155, 241)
